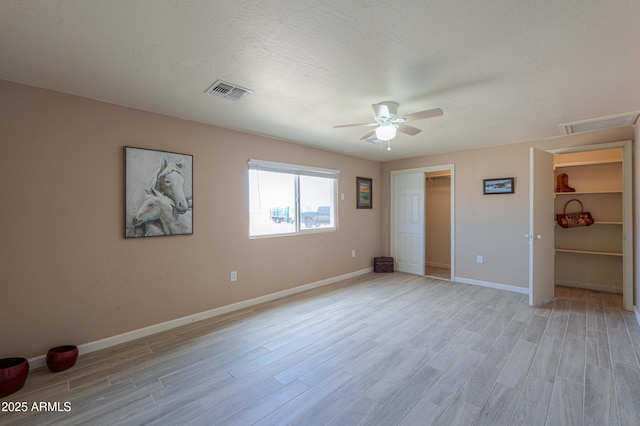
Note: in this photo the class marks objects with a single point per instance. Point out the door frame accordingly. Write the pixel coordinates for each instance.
(424, 170)
(627, 210)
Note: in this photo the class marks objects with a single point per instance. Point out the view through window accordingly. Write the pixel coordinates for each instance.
(290, 199)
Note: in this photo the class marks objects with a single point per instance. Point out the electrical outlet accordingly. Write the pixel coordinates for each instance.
(479, 259)
(353, 253)
(342, 196)
(234, 276)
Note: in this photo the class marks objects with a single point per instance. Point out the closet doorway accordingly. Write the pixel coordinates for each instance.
(409, 235)
(598, 257)
(437, 220)
(602, 180)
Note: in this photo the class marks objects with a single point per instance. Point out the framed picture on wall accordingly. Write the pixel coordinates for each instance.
(498, 186)
(158, 193)
(364, 193)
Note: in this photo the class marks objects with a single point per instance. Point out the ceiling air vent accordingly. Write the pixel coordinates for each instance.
(225, 90)
(620, 120)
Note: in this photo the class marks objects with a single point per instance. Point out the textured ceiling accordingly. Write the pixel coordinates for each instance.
(503, 71)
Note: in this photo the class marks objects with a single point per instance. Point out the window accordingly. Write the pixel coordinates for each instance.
(290, 199)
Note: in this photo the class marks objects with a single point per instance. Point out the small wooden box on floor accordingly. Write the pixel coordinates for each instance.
(383, 264)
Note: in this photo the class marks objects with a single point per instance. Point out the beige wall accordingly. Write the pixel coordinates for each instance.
(69, 277)
(493, 226)
(437, 222)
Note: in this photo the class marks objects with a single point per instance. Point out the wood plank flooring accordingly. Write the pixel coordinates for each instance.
(437, 272)
(380, 349)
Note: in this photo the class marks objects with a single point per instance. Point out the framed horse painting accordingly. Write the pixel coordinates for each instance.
(158, 193)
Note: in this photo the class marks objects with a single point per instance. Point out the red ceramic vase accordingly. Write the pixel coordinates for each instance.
(13, 375)
(62, 358)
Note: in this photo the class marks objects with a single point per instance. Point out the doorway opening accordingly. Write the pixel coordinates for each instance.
(409, 237)
(603, 185)
(598, 180)
(437, 219)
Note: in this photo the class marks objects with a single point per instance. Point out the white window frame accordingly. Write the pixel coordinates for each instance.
(299, 170)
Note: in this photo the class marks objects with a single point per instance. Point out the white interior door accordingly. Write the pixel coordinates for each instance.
(541, 228)
(408, 222)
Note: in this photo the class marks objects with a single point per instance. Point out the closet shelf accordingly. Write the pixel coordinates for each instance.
(599, 253)
(617, 191)
(587, 163)
(597, 223)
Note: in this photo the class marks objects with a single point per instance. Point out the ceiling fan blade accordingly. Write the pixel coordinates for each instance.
(380, 111)
(368, 135)
(408, 130)
(385, 110)
(355, 125)
(421, 115)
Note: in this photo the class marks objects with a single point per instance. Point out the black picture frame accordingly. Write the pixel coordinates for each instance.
(364, 193)
(498, 186)
(158, 193)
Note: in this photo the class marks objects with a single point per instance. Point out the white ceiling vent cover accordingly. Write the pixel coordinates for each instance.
(225, 90)
(626, 119)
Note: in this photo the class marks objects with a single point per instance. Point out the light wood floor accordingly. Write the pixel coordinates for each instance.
(437, 272)
(378, 349)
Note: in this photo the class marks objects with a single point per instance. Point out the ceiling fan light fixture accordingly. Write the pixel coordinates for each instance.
(388, 123)
(386, 132)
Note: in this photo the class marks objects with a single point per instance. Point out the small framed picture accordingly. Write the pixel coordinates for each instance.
(498, 186)
(364, 195)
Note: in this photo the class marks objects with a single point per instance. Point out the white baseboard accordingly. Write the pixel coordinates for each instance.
(637, 312)
(85, 348)
(589, 286)
(497, 286)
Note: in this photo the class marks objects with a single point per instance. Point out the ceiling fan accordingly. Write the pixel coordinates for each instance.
(388, 122)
